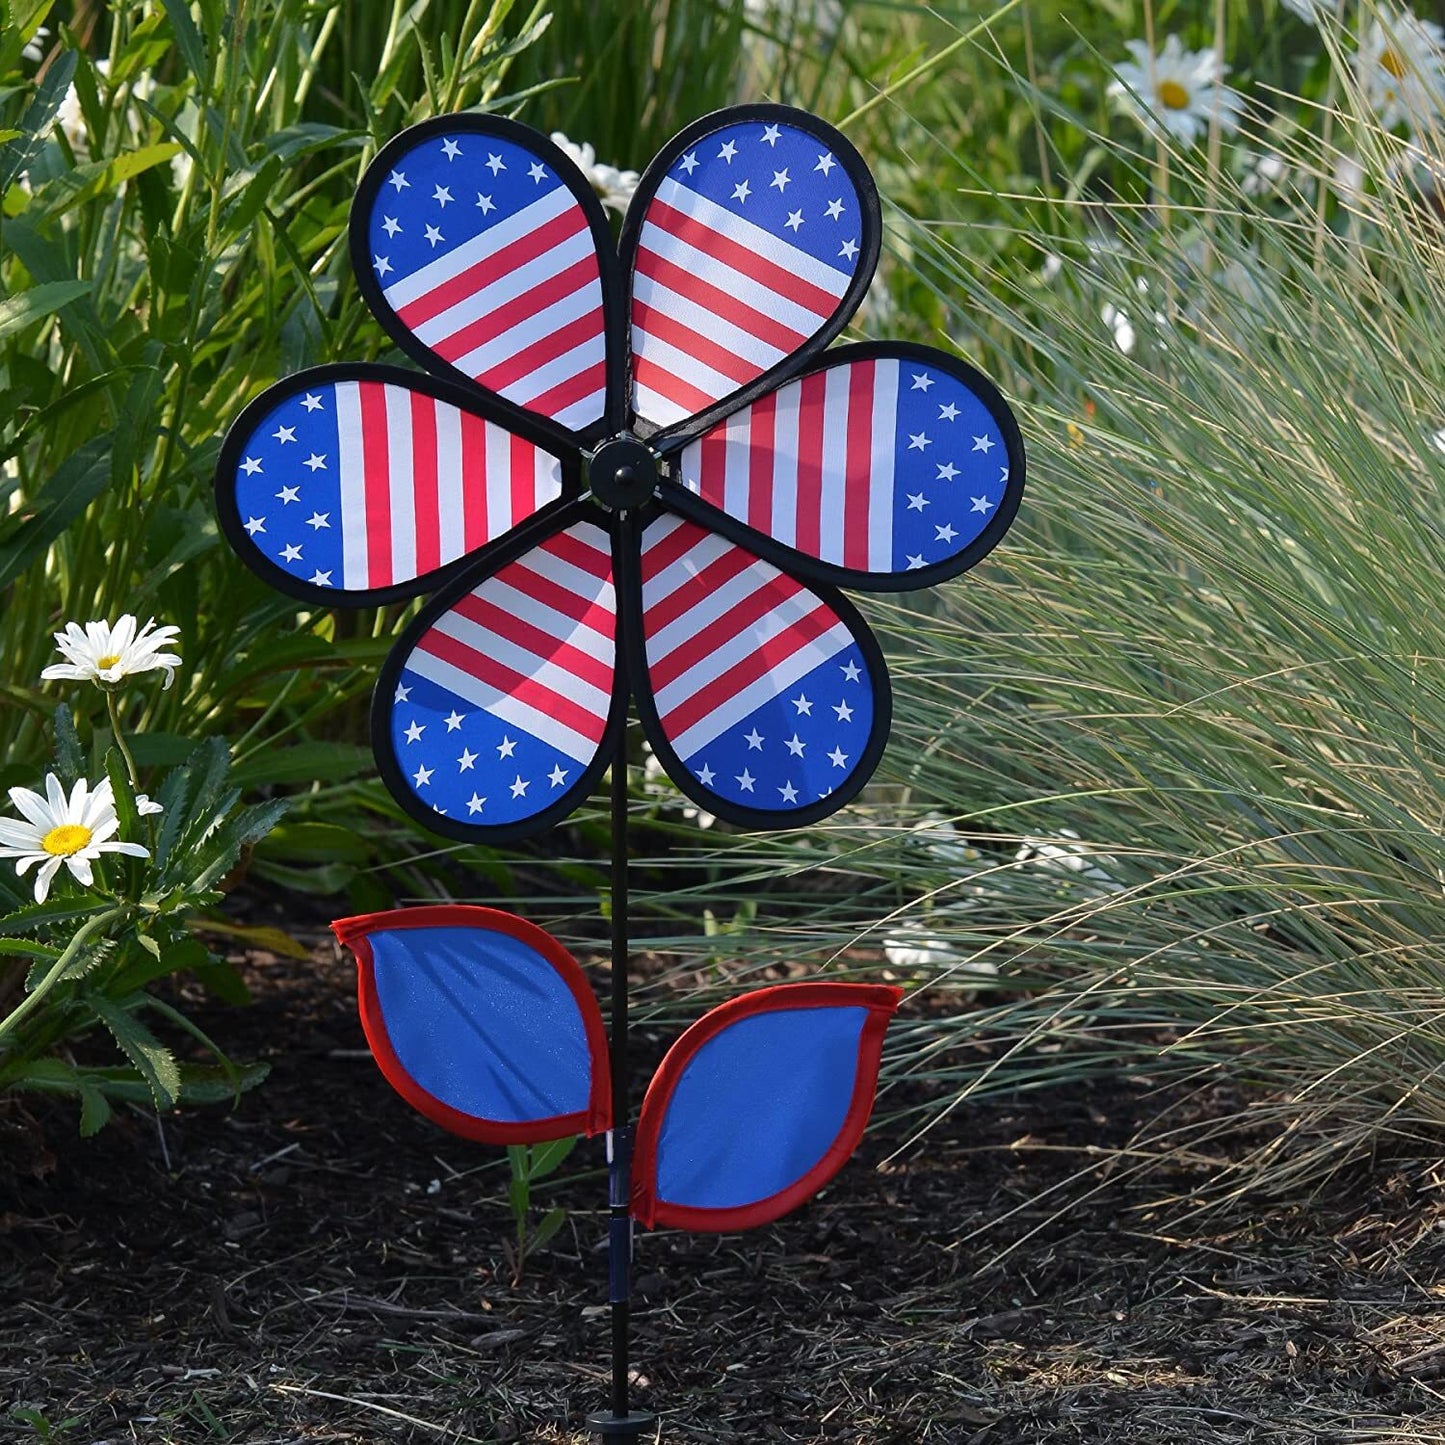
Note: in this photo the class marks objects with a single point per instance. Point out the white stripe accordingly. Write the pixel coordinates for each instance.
(737, 462)
(681, 364)
(451, 502)
(785, 464)
(832, 490)
(555, 372)
(755, 238)
(536, 327)
(781, 677)
(719, 329)
(584, 638)
(499, 480)
(652, 404)
(401, 483)
(546, 478)
(352, 463)
(659, 586)
(576, 580)
(408, 288)
(501, 705)
(712, 608)
(578, 413)
(540, 269)
(880, 474)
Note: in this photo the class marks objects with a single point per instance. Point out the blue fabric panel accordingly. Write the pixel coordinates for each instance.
(757, 1106)
(483, 1022)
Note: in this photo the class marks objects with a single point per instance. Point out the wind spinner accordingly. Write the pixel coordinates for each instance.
(624, 474)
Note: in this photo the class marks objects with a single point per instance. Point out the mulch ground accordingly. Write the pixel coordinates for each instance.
(320, 1264)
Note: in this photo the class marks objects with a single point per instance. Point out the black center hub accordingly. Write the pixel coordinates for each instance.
(622, 473)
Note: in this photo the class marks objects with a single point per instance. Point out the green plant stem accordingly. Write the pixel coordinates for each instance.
(83, 935)
(113, 707)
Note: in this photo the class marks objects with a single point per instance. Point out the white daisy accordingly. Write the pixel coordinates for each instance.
(106, 653)
(73, 830)
(34, 49)
(613, 186)
(1402, 69)
(1177, 91)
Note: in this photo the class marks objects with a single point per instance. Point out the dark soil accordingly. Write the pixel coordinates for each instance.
(321, 1264)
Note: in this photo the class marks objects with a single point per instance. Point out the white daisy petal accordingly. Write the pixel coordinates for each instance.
(32, 805)
(107, 653)
(42, 879)
(79, 866)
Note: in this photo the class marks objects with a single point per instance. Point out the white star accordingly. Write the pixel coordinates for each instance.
(467, 761)
(834, 209)
(754, 740)
(845, 713)
(453, 720)
(433, 235)
(506, 748)
(383, 265)
(318, 520)
(414, 730)
(914, 563)
(795, 745)
(852, 671)
(399, 180)
(450, 149)
(981, 504)
(916, 443)
(402, 693)
(1003, 474)
(520, 785)
(557, 776)
(946, 532)
(947, 471)
(474, 803)
(803, 703)
(948, 413)
(251, 466)
(315, 462)
(291, 553)
(825, 163)
(706, 775)
(727, 153)
(441, 196)
(921, 381)
(287, 495)
(486, 203)
(321, 579)
(495, 163)
(772, 135)
(537, 171)
(983, 444)
(848, 250)
(795, 219)
(789, 792)
(746, 781)
(917, 501)
(838, 757)
(311, 401)
(742, 191)
(781, 179)
(689, 162)
(422, 776)
(255, 524)
(285, 434)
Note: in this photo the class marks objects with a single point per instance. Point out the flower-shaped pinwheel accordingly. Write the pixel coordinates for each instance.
(625, 472)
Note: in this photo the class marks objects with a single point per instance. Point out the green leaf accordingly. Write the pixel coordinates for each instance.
(17, 155)
(28, 948)
(303, 763)
(547, 1226)
(548, 1157)
(273, 940)
(315, 843)
(153, 1061)
(77, 482)
(37, 915)
(94, 1110)
(69, 759)
(223, 981)
(100, 178)
(157, 962)
(37, 302)
(188, 38)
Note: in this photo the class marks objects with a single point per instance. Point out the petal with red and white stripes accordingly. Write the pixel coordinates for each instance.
(498, 708)
(476, 244)
(892, 465)
(748, 241)
(767, 700)
(352, 487)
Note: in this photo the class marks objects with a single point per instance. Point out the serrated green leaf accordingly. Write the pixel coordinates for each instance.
(69, 758)
(94, 1111)
(153, 1061)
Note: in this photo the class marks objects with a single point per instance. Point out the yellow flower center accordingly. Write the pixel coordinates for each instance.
(109, 660)
(1173, 95)
(1392, 62)
(68, 838)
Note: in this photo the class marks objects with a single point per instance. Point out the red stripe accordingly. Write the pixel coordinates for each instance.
(663, 549)
(712, 449)
(371, 397)
(590, 380)
(525, 690)
(711, 353)
(546, 348)
(747, 670)
(475, 528)
(695, 588)
(763, 419)
(648, 373)
(524, 486)
(586, 611)
(812, 392)
(507, 625)
(568, 547)
(425, 485)
(739, 257)
(519, 310)
(698, 292)
(704, 643)
(857, 465)
(481, 274)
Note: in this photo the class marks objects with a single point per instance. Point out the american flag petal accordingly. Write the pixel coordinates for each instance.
(746, 243)
(477, 245)
(892, 465)
(766, 700)
(350, 487)
(497, 709)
